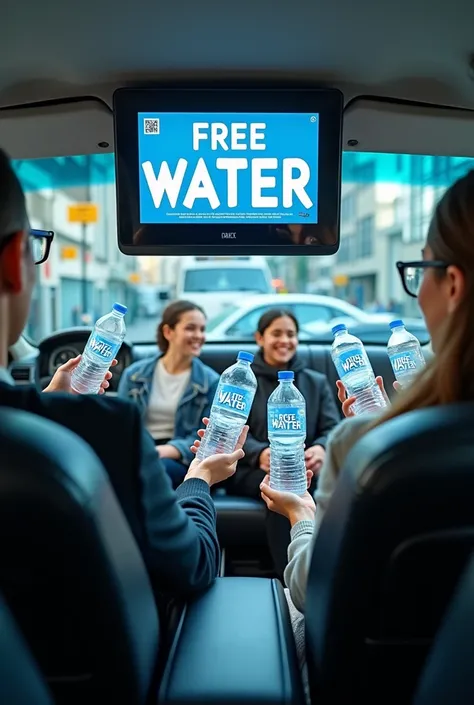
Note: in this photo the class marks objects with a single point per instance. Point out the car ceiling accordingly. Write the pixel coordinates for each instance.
(410, 49)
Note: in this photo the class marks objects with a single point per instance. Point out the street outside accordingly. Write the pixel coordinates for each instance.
(142, 330)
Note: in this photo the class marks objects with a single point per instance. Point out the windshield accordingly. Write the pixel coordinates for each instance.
(220, 280)
(387, 201)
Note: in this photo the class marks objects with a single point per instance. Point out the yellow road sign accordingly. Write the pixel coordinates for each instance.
(83, 213)
(69, 252)
(340, 280)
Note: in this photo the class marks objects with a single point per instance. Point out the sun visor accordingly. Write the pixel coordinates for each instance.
(57, 129)
(372, 125)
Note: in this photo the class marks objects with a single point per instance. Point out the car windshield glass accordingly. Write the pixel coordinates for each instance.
(214, 322)
(220, 280)
(386, 204)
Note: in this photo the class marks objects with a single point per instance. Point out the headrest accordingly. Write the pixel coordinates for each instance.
(69, 566)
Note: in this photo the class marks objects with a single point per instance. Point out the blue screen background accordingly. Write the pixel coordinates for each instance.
(286, 135)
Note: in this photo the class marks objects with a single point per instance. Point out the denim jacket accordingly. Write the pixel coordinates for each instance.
(136, 381)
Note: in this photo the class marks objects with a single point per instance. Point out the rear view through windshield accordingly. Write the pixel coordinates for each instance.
(218, 280)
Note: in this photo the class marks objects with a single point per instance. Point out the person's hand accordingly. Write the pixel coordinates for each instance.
(219, 467)
(292, 506)
(314, 458)
(200, 433)
(264, 460)
(347, 402)
(61, 381)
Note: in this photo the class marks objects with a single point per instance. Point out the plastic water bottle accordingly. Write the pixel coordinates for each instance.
(286, 415)
(101, 348)
(355, 371)
(230, 408)
(404, 351)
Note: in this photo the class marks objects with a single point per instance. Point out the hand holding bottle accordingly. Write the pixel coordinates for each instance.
(348, 401)
(218, 467)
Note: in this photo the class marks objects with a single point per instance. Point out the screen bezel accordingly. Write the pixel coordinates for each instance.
(128, 102)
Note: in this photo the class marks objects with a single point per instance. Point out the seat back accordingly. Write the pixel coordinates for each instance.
(390, 549)
(448, 676)
(219, 356)
(21, 682)
(69, 567)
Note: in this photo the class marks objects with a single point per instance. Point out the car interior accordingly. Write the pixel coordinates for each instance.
(385, 622)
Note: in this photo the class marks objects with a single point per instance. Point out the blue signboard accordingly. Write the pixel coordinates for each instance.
(228, 168)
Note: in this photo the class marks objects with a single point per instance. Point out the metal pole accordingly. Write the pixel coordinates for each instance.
(84, 269)
(84, 241)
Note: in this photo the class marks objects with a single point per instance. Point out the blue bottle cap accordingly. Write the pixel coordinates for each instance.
(248, 357)
(396, 324)
(340, 326)
(286, 374)
(120, 308)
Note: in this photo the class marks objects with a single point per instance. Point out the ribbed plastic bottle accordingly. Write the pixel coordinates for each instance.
(404, 351)
(230, 408)
(286, 416)
(355, 371)
(100, 350)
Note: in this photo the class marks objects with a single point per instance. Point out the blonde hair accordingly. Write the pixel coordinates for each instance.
(449, 376)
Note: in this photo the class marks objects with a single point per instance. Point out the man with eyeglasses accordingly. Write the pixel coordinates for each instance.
(176, 530)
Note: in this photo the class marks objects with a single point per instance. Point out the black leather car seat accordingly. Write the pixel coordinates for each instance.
(391, 547)
(69, 567)
(21, 682)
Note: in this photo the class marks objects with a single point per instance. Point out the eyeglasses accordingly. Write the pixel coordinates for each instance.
(40, 244)
(411, 274)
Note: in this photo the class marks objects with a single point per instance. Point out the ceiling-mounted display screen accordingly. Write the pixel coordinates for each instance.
(228, 170)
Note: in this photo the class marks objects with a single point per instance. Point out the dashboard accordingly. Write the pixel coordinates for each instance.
(62, 346)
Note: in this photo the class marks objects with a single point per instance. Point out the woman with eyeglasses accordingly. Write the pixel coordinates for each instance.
(443, 282)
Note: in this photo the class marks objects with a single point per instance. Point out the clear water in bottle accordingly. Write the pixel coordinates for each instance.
(101, 348)
(230, 408)
(286, 417)
(355, 371)
(404, 351)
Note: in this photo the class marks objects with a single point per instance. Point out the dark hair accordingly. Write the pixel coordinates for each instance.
(267, 318)
(13, 217)
(447, 378)
(171, 316)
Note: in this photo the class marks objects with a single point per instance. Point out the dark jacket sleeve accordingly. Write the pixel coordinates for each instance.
(176, 531)
(252, 450)
(328, 416)
(180, 527)
(183, 445)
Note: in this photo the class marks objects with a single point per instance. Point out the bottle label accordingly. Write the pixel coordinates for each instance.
(351, 361)
(230, 397)
(102, 348)
(286, 420)
(403, 362)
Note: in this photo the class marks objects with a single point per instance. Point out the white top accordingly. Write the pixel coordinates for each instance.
(165, 395)
(5, 376)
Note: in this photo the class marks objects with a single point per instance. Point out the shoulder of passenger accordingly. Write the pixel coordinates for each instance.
(104, 404)
(138, 366)
(212, 375)
(351, 429)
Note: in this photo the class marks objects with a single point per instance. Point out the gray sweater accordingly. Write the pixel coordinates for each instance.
(303, 534)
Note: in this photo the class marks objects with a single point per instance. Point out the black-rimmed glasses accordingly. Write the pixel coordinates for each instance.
(411, 274)
(40, 244)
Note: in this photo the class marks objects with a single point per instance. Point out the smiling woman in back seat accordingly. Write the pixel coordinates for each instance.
(277, 337)
(174, 389)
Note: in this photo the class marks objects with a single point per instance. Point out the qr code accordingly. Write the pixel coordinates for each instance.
(151, 126)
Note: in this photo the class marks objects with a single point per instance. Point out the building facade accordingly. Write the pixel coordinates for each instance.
(85, 272)
(387, 202)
